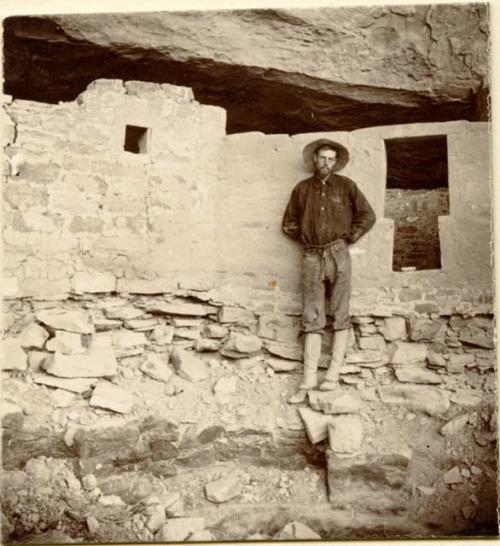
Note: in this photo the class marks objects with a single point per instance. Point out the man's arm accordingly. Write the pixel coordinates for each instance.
(291, 218)
(363, 215)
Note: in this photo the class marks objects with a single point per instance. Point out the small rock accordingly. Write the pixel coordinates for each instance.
(281, 364)
(453, 476)
(457, 363)
(285, 350)
(89, 482)
(436, 360)
(188, 366)
(226, 385)
(141, 325)
(67, 343)
(476, 471)
(92, 524)
(33, 336)
(208, 345)
(111, 397)
(163, 335)
(466, 399)
(224, 489)
(455, 425)
(426, 490)
(474, 499)
(468, 512)
(13, 356)
(71, 321)
(156, 367)
(111, 500)
(215, 331)
(187, 333)
(296, 531)
(179, 529)
(157, 519)
(345, 433)
(465, 472)
(183, 309)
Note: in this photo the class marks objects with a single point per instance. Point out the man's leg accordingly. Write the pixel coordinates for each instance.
(340, 300)
(313, 322)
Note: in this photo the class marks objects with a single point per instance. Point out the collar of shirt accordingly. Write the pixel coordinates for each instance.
(330, 180)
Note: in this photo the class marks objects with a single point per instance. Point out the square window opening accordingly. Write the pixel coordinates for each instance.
(136, 139)
(416, 195)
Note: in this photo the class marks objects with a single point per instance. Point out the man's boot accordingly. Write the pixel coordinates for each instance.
(340, 340)
(312, 353)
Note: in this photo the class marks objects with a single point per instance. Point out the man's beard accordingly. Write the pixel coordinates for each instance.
(323, 172)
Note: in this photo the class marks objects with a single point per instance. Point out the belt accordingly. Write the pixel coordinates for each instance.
(328, 245)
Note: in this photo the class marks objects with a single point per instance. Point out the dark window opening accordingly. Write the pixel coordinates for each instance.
(136, 139)
(416, 195)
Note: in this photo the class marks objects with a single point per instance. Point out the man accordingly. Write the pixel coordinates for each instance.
(326, 213)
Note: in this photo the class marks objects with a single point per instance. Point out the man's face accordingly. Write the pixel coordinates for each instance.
(324, 161)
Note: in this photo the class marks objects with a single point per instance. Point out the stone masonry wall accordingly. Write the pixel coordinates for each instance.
(416, 232)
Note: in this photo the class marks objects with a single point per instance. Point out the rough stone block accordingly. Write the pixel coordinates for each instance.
(224, 489)
(13, 356)
(77, 385)
(215, 331)
(296, 530)
(240, 344)
(71, 321)
(466, 399)
(179, 529)
(281, 364)
(423, 329)
(367, 358)
(279, 327)
(473, 335)
(122, 312)
(334, 402)
(208, 345)
(417, 374)
(458, 362)
(156, 367)
(125, 339)
(316, 424)
(374, 343)
(436, 360)
(416, 397)
(394, 328)
(345, 433)
(283, 350)
(453, 476)
(62, 398)
(408, 353)
(109, 396)
(94, 282)
(96, 362)
(162, 334)
(67, 343)
(188, 366)
(141, 325)
(369, 482)
(33, 336)
(455, 425)
(187, 333)
(229, 314)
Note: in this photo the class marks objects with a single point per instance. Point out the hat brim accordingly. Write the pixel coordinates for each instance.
(310, 149)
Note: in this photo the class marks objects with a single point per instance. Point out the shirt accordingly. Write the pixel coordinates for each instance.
(319, 212)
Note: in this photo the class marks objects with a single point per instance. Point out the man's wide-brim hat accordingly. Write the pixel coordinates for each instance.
(310, 149)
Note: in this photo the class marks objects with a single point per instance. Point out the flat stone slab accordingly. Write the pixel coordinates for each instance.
(123, 312)
(416, 374)
(125, 339)
(228, 314)
(96, 362)
(282, 364)
(13, 355)
(188, 366)
(364, 358)
(188, 333)
(111, 397)
(156, 367)
(334, 402)
(76, 385)
(466, 398)
(141, 325)
(224, 489)
(455, 425)
(369, 482)
(188, 309)
(208, 345)
(416, 397)
(284, 350)
(315, 423)
(71, 321)
(458, 362)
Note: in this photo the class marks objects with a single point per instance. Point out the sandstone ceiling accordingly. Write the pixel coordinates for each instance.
(275, 71)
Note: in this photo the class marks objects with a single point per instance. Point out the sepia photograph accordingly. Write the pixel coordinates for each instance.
(248, 273)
